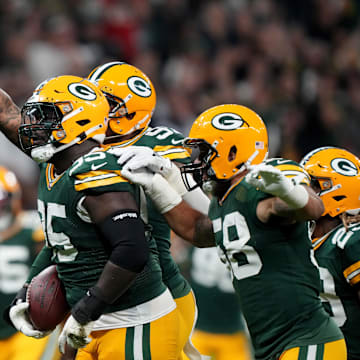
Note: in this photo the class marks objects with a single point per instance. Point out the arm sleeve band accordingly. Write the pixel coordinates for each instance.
(124, 234)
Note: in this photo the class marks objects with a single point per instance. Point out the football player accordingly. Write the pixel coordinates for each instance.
(221, 333)
(335, 176)
(96, 232)
(21, 240)
(132, 99)
(258, 218)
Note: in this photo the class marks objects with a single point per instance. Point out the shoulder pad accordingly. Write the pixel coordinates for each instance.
(96, 169)
(291, 169)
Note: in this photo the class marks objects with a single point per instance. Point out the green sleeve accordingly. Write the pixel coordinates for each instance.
(42, 261)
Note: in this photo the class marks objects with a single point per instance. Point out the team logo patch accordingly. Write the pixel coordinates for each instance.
(82, 91)
(139, 86)
(344, 167)
(227, 121)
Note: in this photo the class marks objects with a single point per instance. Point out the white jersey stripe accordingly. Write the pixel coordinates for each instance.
(311, 352)
(138, 342)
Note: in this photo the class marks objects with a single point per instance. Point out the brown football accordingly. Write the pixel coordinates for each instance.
(47, 299)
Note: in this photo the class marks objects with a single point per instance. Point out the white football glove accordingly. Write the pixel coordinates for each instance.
(136, 158)
(75, 334)
(19, 317)
(271, 180)
(156, 187)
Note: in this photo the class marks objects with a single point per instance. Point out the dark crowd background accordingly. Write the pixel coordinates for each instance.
(297, 63)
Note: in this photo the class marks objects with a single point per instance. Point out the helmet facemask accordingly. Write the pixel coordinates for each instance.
(39, 121)
(200, 169)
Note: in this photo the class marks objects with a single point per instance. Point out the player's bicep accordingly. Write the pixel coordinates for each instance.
(103, 205)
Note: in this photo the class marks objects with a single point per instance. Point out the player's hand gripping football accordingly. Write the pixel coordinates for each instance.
(271, 180)
(20, 319)
(75, 334)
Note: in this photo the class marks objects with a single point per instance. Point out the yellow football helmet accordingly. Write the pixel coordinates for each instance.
(335, 175)
(61, 112)
(10, 198)
(229, 137)
(130, 93)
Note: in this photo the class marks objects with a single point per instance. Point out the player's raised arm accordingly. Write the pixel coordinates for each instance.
(292, 199)
(10, 118)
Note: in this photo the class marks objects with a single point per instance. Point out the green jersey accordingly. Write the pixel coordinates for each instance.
(17, 252)
(212, 285)
(273, 271)
(338, 256)
(77, 249)
(166, 142)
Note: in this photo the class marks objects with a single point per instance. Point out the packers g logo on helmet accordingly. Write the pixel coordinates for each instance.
(139, 86)
(82, 91)
(227, 121)
(335, 173)
(344, 167)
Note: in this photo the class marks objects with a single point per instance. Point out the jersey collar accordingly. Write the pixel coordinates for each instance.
(221, 201)
(317, 242)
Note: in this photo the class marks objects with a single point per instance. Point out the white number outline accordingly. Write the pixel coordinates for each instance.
(87, 158)
(328, 295)
(161, 133)
(68, 252)
(238, 246)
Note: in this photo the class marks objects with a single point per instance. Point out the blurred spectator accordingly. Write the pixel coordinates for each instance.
(297, 63)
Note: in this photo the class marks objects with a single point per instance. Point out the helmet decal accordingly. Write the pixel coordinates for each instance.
(130, 93)
(139, 86)
(344, 167)
(82, 91)
(227, 121)
(335, 174)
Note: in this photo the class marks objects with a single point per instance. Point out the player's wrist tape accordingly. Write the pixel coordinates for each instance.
(89, 308)
(173, 176)
(163, 195)
(297, 197)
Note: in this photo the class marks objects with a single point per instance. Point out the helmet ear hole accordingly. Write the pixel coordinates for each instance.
(83, 122)
(339, 198)
(130, 116)
(232, 153)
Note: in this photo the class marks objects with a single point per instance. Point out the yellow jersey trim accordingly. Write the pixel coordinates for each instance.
(352, 273)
